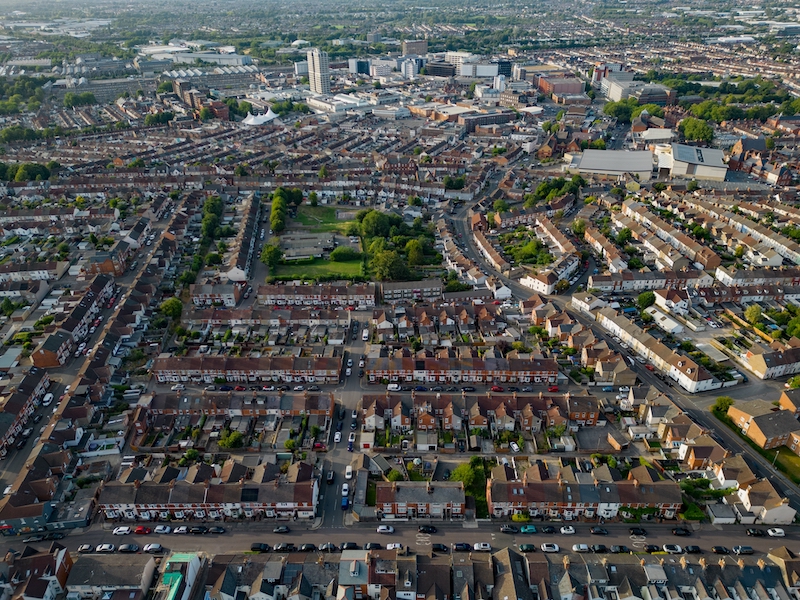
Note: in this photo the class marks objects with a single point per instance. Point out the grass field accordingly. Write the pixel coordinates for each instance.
(320, 219)
(317, 267)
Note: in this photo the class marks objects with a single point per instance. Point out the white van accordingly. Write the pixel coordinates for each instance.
(365, 335)
(348, 472)
(393, 387)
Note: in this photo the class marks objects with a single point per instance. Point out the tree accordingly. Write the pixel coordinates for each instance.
(753, 314)
(388, 265)
(312, 199)
(500, 206)
(692, 185)
(624, 236)
(344, 254)
(394, 475)
(464, 473)
(794, 382)
(696, 130)
(647, 317)
(271, 255)
(206, 114)
(323, 172)
(739, 252)
(579, 227)
(646, 299)
(414, 252)
(172, 308)
(722, 404)
(562, 285)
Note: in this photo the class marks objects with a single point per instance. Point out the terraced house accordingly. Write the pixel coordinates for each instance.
(206, 369)
(455, 370)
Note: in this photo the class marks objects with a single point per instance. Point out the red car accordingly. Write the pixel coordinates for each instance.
(240, 388)
(142, 530)
(650, 367)
(552, 388)
(497, 388)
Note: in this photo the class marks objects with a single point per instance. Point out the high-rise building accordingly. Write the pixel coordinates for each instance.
(358, 66)
(374, 38)
(319, 71)
(419, 47)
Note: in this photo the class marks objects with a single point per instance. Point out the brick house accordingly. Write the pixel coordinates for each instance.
(443, 500)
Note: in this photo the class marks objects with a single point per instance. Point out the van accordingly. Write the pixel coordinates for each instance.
(393, 387)
(365, 335)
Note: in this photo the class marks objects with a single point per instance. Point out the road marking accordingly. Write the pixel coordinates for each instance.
(423, 539)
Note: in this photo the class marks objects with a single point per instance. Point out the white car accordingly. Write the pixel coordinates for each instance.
(299, 388)
(567, 530)
(345, 489)
(122, 531)
(106, 548)
(580, 548)
(348, 472)
(351, 437)
(394, 546)
(178, 387)
(337, 437)
(153, 548)
(549, 547)
(162, 529)
(624, 388)
(482, 547)
(385, 529)
(348, 371)
(48, 399)
(181, 530)
(672, 549)
(514, 446)
(776, 532)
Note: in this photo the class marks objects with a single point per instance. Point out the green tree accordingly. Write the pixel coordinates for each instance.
(312, 199)
(624, 236)
(206, 114)
(739, 252)
(753, 314)
(500, 206)
(464, 473)
(172, 308)
(271, 255)
(722, 404)
(414, 252)
(323, 172)
(646, 299)
(579, 227)
(394, 475)
(344, 254)
(696, 130)
(388, 265)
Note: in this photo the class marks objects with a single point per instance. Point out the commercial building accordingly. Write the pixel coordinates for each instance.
(611, 164)
(419, 47)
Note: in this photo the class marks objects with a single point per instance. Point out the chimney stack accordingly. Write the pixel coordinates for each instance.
(703, 563)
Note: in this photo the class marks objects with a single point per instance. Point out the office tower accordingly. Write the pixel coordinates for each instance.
(319, 72)
(419, 47)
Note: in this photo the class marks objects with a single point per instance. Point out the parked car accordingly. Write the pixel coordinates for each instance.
(598, 531)
(153, 548)
(121, 531)
(129, 548)
(349, 546)
(567, 530)
(637, 531)
(385, 529)
(514, 446)
(240, 388)
(720, 550)
(307, 548)
(672, 549)
(548, 529)
(142, 530)
(85, 548)
(681, 532)
(482, 547)
(652, 548)
(620, 549)
(216, 529)
(285, 547)
(580, 547)
(162, 529)
(257, 547)
(426, 529)
(527, 548)
(106, 548)
(226, 388)
(467, 388)
(738, 550)
(373, 546)
(497, 388)
(198, 530)
(440, 548)
(527, 529)
(552, 388)
(181, 530)
(755, 532)
(337, 437)
(509, 529)
(692, 550)
(776, 532)
(549, 547)
(599, 549)
(281, 529)
(608, 388)
(461, 547)
(328, 547)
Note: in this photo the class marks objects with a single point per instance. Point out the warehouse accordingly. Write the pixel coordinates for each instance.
(611, 164)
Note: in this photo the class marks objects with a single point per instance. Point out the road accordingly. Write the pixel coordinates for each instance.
(239, 536)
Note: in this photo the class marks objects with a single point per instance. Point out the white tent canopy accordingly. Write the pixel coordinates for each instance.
(252, 119)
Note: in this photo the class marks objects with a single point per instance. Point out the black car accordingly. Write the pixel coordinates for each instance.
(512, 388)
(259, 547)
(753, 532)
(285, 547)
(681, 532)
(373, 546)
(313, 388)
(216, 529)
(339, 426)
(452, 389)
(692, 550)
(361, 372)
(426, 529)
(527, 389)
(307, 548)
(198, 530)
(440, 548)
(462, 547)
(599, 549)
(405, 388)
(420, 388)
(509, 529)
(54, 536)
(720, 550)
(129, 548)
(437, 388)
(37, 418)
(598, 531)
(620, 549)
(548, 529)
(350, 546)
(637, 531)
(468, 388)
(652, 548)
(281, 529)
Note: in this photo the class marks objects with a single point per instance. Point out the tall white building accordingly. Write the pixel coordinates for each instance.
(319, 71)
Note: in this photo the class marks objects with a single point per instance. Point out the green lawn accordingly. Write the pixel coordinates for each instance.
(318, 266)
(320, 219)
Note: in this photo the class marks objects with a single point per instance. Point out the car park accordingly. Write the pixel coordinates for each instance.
(549, 547)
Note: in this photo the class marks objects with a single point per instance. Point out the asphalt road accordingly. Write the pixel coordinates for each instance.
(239, 536)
